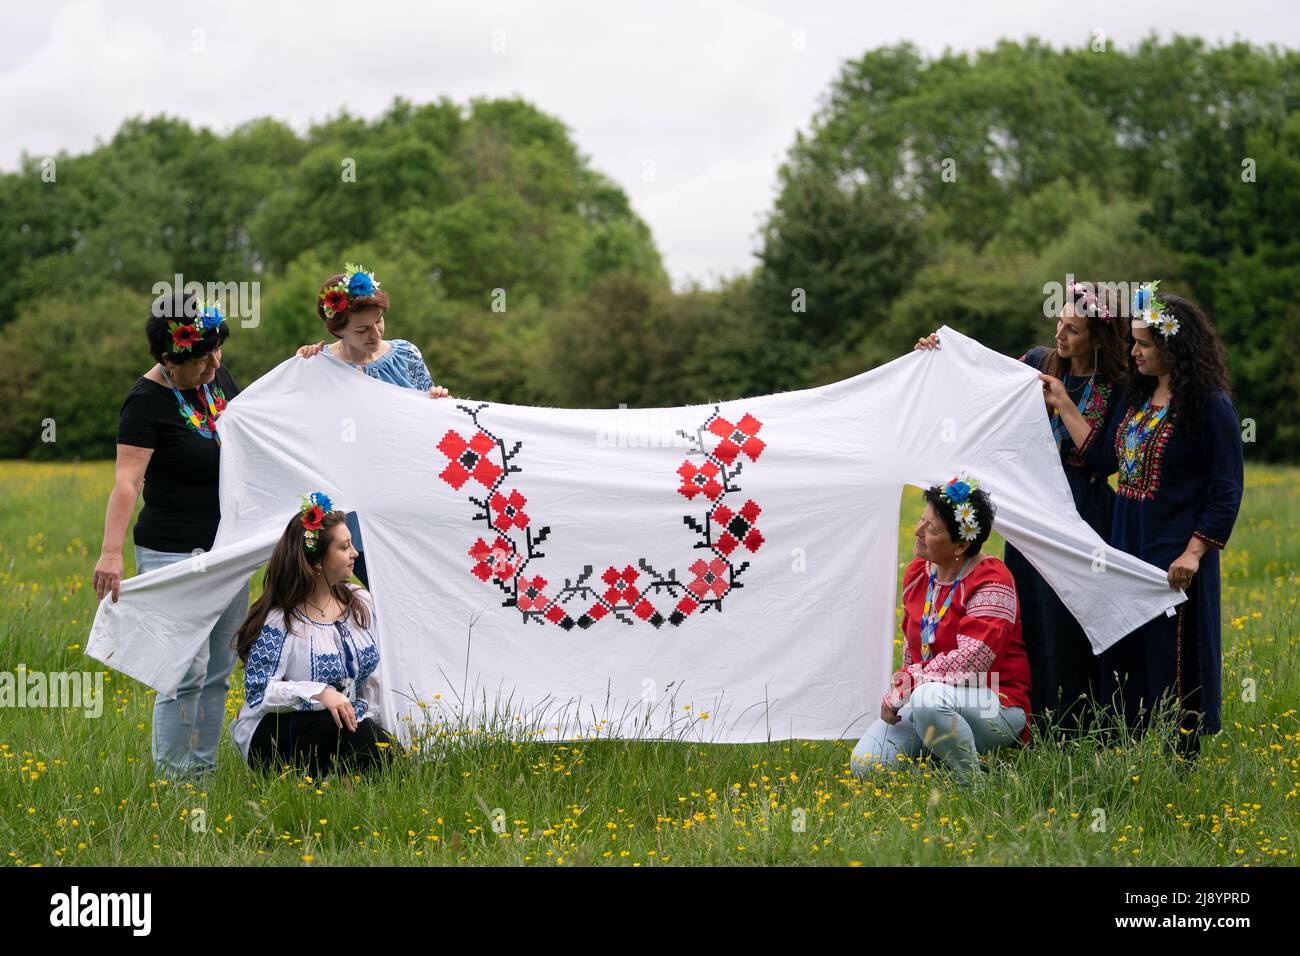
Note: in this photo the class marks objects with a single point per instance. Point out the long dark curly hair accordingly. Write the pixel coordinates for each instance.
(1196, 358)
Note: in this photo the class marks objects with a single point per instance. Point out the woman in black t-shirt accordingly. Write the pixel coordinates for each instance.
(167, 444)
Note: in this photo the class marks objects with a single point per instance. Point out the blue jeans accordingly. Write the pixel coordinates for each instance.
(954, 722)
(187, 727)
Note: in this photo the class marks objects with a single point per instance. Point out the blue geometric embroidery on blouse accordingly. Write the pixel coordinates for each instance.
(359, 707)
(328, 669)
(401, 365)
(416, 370)
(368, 661)
(263, 660)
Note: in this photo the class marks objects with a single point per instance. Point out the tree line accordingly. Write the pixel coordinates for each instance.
(925, 191)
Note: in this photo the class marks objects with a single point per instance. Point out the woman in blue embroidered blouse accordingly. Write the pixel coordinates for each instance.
(311, 685)
(1177, 448)
(352, 306)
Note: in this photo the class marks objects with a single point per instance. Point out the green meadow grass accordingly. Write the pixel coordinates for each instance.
(82, 791)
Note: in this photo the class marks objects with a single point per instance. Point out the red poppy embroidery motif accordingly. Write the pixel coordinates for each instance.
(727, 529)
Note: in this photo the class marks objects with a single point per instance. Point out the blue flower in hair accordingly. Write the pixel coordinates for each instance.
(957, 492)
(210, 317)
(361, 285)
(321, 499)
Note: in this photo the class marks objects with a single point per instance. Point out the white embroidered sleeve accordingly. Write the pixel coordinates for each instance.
(265, 690)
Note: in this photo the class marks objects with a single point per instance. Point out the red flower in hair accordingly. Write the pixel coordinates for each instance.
(184, 336)
(312, 519)
(336, 301)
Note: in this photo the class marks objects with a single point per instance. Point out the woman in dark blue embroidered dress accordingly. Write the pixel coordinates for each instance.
(311, 685)
(1090, 358)
(1177, 448)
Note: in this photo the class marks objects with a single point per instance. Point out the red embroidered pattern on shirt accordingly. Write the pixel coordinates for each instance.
(993, 600)
(1143, 480)
(626, 593)
(904, 682)
(961, 665)
(1095, 415)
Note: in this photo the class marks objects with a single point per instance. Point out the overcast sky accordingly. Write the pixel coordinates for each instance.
(707, 95)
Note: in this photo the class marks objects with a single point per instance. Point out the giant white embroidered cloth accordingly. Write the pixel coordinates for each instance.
(568, 572)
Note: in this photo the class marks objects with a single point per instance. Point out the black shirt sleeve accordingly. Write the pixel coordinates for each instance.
(138, 424)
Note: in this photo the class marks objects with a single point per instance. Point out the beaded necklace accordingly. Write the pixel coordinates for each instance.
(204, 424)
(1059, 431)
(930, 622)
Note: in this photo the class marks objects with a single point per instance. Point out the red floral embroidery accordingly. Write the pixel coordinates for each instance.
(468, 460)
(1094, 413)
(739, 527)
(737, 438)
(710, 579)
(531, 597)
(632, 592)
(621, 589)
(702, 479)
(493, 559)
(510, 511)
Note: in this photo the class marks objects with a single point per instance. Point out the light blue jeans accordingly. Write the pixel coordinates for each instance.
(187, 727)
(954, 722)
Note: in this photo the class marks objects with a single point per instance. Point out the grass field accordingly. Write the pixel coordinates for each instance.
(81, 791)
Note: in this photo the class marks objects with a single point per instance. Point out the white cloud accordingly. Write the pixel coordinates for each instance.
(713, 92)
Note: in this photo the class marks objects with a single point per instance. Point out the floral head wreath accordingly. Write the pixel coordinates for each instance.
(187, 334)
(315, 507)
(1148, 308)
(1091, 303)
(357, 284)
(957, 493)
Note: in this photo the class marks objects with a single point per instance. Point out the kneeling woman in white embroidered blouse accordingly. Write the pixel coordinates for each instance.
(309, 654)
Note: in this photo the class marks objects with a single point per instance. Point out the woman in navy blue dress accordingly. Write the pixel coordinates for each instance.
(1177, 449)
(1090, 358)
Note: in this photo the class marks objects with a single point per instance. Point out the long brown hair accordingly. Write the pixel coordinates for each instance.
(1109, 336)
(289, 580)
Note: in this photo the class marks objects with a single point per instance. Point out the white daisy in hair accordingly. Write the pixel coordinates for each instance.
(965, 513)
(970, 532)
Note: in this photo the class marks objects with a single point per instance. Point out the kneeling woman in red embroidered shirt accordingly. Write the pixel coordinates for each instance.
(963, 688)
